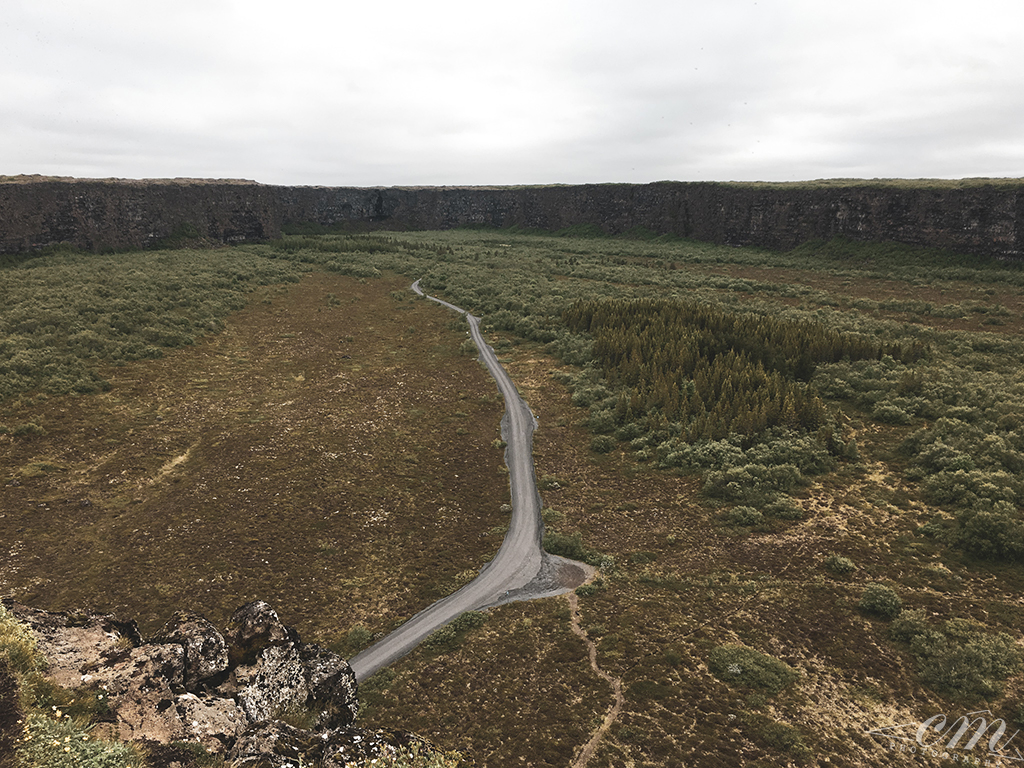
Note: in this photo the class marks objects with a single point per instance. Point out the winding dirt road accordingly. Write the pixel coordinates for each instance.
(521, 570)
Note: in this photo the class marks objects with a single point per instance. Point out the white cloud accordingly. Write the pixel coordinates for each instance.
(466, 92)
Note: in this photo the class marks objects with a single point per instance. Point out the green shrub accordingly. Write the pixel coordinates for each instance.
(890, 414)
(359, 637)
(993, 530)
(469, 620)
(571, 545)
(738, 664)
(588, 590)
(839, 565)
(784, 508)
(448, 637)
(754, 484)
(28, 429)
(908, 625)
(744, 516)
(880, 600)
(443, 639)
(967, 663)
(602, 444)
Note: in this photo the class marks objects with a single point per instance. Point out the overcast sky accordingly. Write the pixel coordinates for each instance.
(346, 93)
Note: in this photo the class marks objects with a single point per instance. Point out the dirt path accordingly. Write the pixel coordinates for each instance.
(521, 570)
(591, 746)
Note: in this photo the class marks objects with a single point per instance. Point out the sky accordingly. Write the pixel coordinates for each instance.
(454, 92)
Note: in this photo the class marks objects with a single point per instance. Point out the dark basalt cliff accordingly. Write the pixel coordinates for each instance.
(116, 214)
(974, 216)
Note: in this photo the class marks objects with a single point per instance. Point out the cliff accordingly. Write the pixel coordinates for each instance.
(114, 214)
(983, 217)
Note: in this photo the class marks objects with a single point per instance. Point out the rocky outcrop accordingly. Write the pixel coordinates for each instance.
(227, 691)
(974, 216)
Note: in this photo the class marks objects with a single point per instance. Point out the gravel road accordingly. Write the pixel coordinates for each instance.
(521, 570)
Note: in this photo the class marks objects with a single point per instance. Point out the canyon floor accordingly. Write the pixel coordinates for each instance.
(333, 452)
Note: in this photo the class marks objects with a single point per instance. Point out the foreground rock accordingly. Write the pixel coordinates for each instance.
(228, 691)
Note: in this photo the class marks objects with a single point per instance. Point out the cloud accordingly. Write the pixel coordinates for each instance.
(465, 92)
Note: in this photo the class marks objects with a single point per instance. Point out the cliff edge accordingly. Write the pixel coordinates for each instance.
(978, 216)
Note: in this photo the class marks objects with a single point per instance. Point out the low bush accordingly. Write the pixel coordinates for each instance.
(784, 508)
(839, 565)
(752, 484)
(571, 545)
(880, 600)
(908, 625)
(740, 665)
(450, 636)
(589, 590)
(744, 516)
(993, 530)
(469, 620)
(961, 659)
(359, 637)
(443, 639)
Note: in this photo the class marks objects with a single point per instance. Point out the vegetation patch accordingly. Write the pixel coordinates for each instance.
(740, 665)
(880, 600)
(958, 657)
(325, 446)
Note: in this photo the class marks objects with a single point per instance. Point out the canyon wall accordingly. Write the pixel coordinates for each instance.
(974, 216)
(99, 215)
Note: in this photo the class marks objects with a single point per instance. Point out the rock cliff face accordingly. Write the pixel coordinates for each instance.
(224, 690)
(973, 217)
(116, 214)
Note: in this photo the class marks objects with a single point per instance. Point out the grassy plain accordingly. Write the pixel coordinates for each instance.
(329, 449)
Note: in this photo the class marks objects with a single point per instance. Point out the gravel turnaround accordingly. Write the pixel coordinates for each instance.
(521, 570)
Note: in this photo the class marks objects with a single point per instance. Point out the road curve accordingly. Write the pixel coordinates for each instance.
(521, 570)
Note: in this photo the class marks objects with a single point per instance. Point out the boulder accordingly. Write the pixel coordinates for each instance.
(273, 684)
(226, 691)
(278, 745)
(332, 686)
(212, 721)
(301, 676)
(252, 628)
(75, 644)
(142, 689)
(206, 652)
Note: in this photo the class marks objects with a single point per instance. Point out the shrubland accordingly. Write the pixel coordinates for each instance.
(798, 473)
